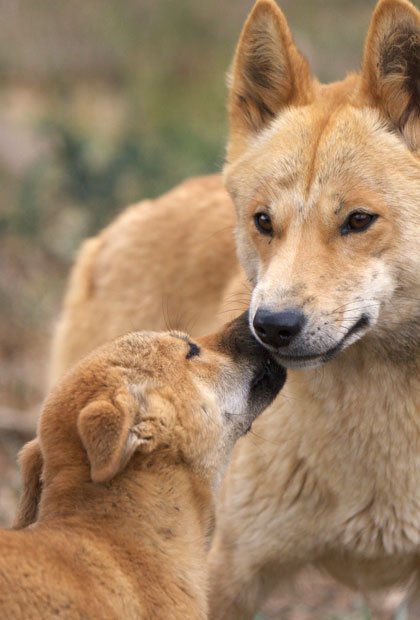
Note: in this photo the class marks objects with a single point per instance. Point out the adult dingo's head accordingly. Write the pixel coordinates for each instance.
(326, 183)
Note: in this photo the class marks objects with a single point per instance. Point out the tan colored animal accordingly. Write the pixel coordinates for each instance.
(325, 181)
(133, 443)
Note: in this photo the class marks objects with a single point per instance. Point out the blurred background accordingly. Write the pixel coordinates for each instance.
(102, 103)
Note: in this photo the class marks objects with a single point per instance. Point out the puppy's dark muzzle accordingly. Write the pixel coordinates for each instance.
(268, 381)
(268, 377)
(238, 342)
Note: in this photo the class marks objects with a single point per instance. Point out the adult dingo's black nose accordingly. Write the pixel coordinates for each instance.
(277, 329)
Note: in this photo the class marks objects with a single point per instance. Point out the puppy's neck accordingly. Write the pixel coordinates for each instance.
(172, 494)
(152, 517)
(150, 499)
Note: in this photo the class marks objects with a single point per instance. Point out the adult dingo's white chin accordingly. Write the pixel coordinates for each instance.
(297, 362)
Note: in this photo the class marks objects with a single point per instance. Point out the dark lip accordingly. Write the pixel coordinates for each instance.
(330, 353)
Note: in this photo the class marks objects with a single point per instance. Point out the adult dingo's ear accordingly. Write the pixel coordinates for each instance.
(391, 66)
(31, 464)
(107, 431)
(268, 73)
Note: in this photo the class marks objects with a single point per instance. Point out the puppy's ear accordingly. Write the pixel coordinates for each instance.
(109, 437)
(268, 73)
(31, 464)
(391, 66)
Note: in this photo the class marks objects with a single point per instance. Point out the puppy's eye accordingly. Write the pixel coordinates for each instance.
(194, 350)
(263, 223)
(358, 221)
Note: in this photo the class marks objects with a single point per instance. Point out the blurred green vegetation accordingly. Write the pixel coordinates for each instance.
(128, 98)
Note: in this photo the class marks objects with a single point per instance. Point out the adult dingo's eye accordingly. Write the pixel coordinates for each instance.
(263, 223)
(358, 221)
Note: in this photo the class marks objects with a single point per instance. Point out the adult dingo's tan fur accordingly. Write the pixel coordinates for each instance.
(325, 182)
(131, 447)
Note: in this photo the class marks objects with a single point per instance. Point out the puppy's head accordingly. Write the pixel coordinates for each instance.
(155, 398)
(230, 380)
(179, 399)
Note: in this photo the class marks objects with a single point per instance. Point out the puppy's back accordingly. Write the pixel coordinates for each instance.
(46, 572)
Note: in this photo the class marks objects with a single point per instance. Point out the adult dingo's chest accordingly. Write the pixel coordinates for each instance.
(359, 437)
(380, 526)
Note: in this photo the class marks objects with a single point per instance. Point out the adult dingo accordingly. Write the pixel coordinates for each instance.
(324, 190)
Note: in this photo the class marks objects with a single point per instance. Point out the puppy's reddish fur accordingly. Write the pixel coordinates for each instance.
(122, 476)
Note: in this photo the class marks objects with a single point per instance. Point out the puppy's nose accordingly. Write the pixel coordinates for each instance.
(278, 329)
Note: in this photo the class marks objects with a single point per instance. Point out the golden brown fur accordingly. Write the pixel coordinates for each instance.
(335, 478)
(130, 451)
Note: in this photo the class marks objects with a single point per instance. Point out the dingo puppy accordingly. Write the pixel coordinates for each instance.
(133, 442)
(325, 181)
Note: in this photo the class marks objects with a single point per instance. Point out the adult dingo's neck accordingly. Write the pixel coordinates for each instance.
(366, 379)
(354, 424)
(364, 410)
